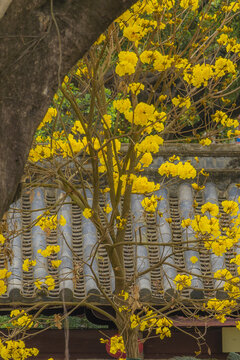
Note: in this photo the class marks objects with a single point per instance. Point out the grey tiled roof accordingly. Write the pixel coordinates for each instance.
(78, 239)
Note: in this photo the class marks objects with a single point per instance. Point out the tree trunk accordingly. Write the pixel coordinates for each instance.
(130, 336)
(33, 57)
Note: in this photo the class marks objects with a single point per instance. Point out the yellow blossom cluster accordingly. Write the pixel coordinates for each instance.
(221, 308)
(193, 4)
(150, 204)
(200, 74)
(50, 114)
(145, 161)
(212, 209)
(121, 222)
(50, 222)
(48, 281)
(137, 28)
(127, 63)
(77, 128)
(82, 69)
(27, 264)
(22, 319)
(4, 275)
(149, 144)
(16, 350)
(59, 145)
(232, 6)
(193, 259)
(144, 113)
(231, 285)
(117, 344)
(205, 142)
(152, 321)
(220, 116)
(163, 326)
(159, 61)
(100, 40)
(56, 263)
(182, 170)
(230, 207)
(141, 184)
(50, 250)
(87, 213)
(107, 209)
(215, 238)
(2, 239)
(182, 281)
(135, 88)
(197, 187)
(230, 43)
(3, 287)
(107, 121)
(181, 102)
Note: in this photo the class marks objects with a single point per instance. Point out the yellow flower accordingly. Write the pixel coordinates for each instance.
(38, 284)
(101, 39)
(117, 344)
(174, 158)
(224, 66)
(181, 102)
(107, 121)
(150, 144)
(211, 208)
(124, 294)
(182, 281)
(107, 209)
(221, 308)
(205, 142)
(193, 4)
(230, 207)
(122, 105)
(56, 263)
(186, 223)
(127, 63)
(51, 113)
(103, 341)
(236, 260)
(23, 320)
(50, 282)
(3, 287)
(161, 62)
(121, 222)
(183, 170)
(144, 113)
(50, 250)
(135, 88)
(87, 213)
(146, 159)
(162, 98)
(193, 259)
(4, 274)
(27, 263)
(197, 187)
(2, 239)
(62, 220)
(146, 57)
(149, 204)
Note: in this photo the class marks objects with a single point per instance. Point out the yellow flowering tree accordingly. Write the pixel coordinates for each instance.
(165, 71)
